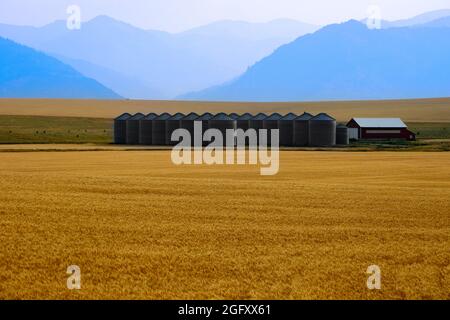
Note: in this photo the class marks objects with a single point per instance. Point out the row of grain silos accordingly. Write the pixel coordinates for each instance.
(294, 130)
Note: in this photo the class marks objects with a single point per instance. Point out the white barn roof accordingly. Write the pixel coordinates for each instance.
(380, 122)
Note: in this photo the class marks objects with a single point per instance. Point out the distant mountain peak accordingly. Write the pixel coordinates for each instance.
(107, 21)
(420, 19)
(346, 61)
(28, 73)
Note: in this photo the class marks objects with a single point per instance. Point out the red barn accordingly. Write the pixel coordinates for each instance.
(379, 129)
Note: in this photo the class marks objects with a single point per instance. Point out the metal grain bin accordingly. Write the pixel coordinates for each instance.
(342, 135)
(322, 130)
(188, 124)
(204, 118)
(145, 129)
(301, 130)
(286, 125)
(257, 122)
(243, 122)
(120, 128)
(271, 123)
(133, 128)
(233, 116)
(172, 124)
(159, 129)
(222, 122)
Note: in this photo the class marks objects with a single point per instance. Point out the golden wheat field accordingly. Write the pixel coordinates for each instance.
(142, 228)
(415, 110)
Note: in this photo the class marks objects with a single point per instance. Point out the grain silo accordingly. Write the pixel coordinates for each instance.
(133, 128)
(342, 135)
(222, 122)
(159, 129)
(187, 123)
(322, 130)
(233, 116)
(120, 128)
(243, 122)
(301, 130)
(286, 126)
(145, 129)
(204, 118)
(271, 123)
(257, 122)
(172, 124)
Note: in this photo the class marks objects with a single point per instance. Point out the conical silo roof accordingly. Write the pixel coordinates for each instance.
(259, 116)
(233, 116)
(289, 117)
(124, 116)
(305, 116)
(163, 116)
(221, 117)
(176, 117)
(150, 116)
(137, 116)
(274, 116)
(191, 116)
(205, 116)
(245, 116)
(322, 117)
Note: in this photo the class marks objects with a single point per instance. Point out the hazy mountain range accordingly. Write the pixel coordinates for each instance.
(232, 60)
(347, 61)
(418, 20)
(152, 64)
(27, 73)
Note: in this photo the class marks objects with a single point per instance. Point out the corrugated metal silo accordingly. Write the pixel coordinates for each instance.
(204, 118)
(271, 123)
(342, 135)
(172, 124)
(159, 129)
(286, 125)
(188, 124)
(120, 128)
(145, 129)
(301, 130)
(322, 130)
(133, 128)
(243, 122)
(257, 122)
(222, 122)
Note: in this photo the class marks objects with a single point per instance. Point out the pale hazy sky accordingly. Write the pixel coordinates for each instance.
(178, 15)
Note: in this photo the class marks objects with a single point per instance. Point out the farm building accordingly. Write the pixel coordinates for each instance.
(120, 128)
(271, 123)
(145, 129)
(301, 129)
(132, 131)
(257, 122)
(159, 129)
(342, 137)
(304, 130)
(204, 118)
(188, 124)
(286, 126)
(173, 123)
(243, 122)
(379, 129)
(322, 131)
(222, 122)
